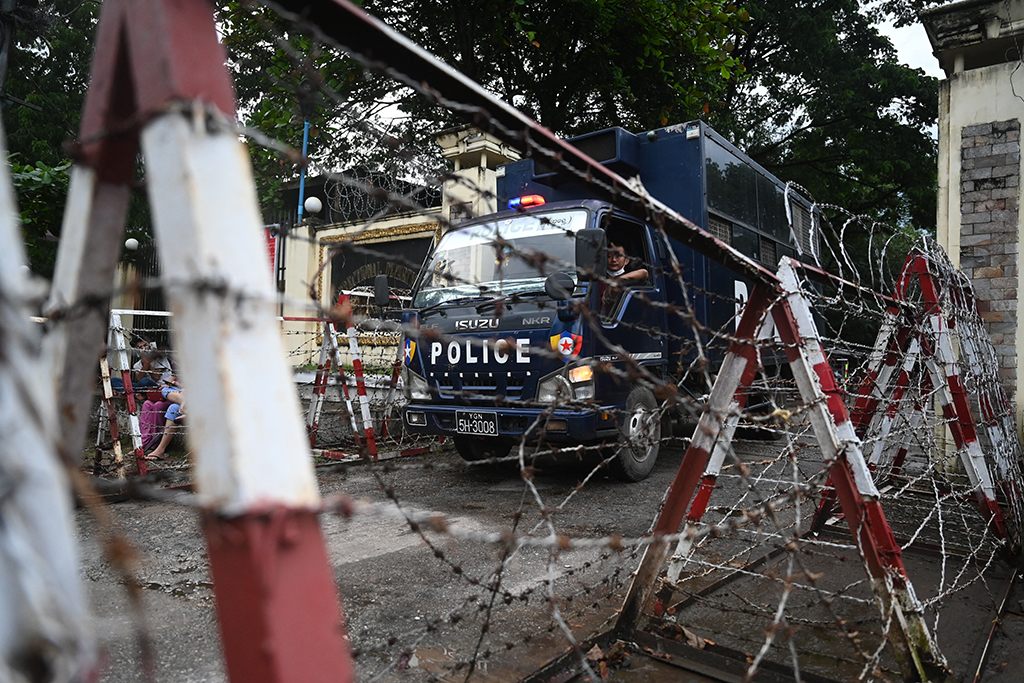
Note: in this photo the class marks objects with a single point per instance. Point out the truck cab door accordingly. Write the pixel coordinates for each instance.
(627, 316)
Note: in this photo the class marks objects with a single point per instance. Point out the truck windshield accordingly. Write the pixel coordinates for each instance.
(500, 257)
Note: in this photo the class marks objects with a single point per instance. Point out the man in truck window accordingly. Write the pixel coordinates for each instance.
(624, 275)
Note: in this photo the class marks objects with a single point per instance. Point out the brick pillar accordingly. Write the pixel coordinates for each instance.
(989, 237)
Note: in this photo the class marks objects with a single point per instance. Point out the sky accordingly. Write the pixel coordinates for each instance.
(913, 48)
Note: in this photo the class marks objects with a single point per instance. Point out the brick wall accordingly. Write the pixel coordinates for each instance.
(989, 191)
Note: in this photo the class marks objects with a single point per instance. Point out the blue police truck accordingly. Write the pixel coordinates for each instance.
(523, 334)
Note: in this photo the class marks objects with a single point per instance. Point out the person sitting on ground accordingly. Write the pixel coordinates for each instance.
(149, 371)
(172, 418)
(151, 421)
(171, 391)
(623, 275)
(153, 367)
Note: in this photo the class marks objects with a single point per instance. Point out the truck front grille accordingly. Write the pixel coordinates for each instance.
(470, 385)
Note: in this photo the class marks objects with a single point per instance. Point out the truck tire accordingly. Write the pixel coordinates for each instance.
(640, 437)
(473, 448)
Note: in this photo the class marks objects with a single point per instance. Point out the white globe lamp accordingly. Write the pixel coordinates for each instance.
(313, 205)
(131, 244)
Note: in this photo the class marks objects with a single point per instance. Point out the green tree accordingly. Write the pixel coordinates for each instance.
(827, 105)
(41, 193)
(581, 65)
(809, 90)
(45, 87)
(900, 12)
(576, 66)
(273, 67)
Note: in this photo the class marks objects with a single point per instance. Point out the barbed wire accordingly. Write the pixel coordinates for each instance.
(766, 497)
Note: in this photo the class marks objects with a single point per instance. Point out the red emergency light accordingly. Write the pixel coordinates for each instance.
(528, 200)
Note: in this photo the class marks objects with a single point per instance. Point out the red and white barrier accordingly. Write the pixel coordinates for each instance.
(158, 78)
(955, 403)
(316, 400)
(108, 422)
(840, 446)
(364, 401)
(124, 364)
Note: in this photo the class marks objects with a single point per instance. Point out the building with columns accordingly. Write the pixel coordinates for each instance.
(981, 105)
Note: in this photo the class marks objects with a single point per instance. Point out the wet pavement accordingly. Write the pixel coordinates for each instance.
(416, 610)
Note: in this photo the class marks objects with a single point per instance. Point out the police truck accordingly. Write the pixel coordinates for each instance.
(518, 332)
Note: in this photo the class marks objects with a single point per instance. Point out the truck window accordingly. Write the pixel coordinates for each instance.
(746, 242)
(631, 237)
(511, 255)
(626, 239)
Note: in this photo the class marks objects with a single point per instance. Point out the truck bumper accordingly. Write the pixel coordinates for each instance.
(561, 426)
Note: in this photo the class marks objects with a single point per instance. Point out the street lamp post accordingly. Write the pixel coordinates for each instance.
(307, 102)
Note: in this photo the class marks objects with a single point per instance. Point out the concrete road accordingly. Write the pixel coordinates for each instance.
(410, 600)
(417, 606)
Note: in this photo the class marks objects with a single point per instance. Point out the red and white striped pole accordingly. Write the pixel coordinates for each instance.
(364, 400)
(909, 635)
(124, 362)
(331, 339)
(111, 417)
(885, 354)
(720, 450)
(160, 68)
(997, 412)
(955, 402)
(738, 372)
(917, 417)
(881, 422)
(316, 400)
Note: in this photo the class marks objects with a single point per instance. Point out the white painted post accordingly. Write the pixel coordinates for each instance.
(232, 358)
(42, 601)
(253, 469)
(79, 299)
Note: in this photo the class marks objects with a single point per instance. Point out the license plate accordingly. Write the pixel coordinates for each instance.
(476, 423)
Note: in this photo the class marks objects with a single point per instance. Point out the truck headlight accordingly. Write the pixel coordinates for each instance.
(554, 389)
(414, 386)
(581, 378)
(583, 392)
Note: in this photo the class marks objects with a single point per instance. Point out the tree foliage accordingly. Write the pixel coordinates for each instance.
(827, 105)
(581, 65)
(46, 86)
(41, 192)
(48, 75)
(810, 89)
(576, 66)
(900, 12)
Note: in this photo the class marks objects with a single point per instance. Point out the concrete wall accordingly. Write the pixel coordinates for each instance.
(979, 183)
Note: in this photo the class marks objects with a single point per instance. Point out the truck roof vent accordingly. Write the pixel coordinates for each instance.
(616, 148)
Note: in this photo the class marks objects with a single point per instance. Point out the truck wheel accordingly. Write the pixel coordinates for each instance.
(473, 448)
(640, 437)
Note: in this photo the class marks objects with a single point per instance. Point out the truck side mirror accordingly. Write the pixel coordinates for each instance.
(381, 292)
(559, 286)
(591, 245)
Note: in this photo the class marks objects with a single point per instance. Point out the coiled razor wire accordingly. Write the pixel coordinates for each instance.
(754, 579)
